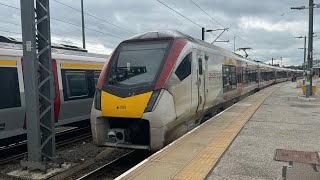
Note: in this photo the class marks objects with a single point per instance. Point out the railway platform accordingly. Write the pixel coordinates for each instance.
(272, 134)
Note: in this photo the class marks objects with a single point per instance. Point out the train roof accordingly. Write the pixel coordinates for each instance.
(60, 50)
(171, 34)
(174, 34)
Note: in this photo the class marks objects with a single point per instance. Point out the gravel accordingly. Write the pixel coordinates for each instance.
(77, 153)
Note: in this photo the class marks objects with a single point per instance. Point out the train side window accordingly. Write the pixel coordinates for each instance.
(200, 66)
(96, 75)
(240, 77)
(184, 69)
(226, 78)
(229, 78)
(77, 85)
(253, 76)
(244, 78)
(9, 91)
(233, 77)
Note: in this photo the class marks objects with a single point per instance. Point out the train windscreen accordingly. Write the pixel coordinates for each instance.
(138, 63)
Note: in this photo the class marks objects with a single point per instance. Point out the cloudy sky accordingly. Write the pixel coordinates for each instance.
(269, 27)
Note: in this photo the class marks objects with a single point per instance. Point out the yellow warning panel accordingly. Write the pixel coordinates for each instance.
(129, 107)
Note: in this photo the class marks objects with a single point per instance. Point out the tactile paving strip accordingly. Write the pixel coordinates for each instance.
(199, 167)
(194, 155)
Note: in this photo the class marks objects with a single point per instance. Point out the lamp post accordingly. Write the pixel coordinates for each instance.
(310, 47)
(83, 33)
(310, 44)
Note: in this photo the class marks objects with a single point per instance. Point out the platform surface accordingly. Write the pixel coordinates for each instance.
(286, 120)
(216, 149)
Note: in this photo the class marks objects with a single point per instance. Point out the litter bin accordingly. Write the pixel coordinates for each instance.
(304, 89)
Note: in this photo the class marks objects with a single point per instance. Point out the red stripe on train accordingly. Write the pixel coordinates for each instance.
(103, 74)
(56, 102)
(178, 45)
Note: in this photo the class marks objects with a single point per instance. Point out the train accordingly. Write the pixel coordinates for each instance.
(159, 85)
(76, 74)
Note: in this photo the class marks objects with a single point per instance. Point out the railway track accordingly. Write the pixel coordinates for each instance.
(115, 168)
(19, 149)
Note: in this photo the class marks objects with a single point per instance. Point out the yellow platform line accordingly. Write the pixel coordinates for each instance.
(202, 163)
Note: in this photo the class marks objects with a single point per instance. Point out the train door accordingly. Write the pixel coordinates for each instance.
(201, 83)
(12, 105)
(206, 80)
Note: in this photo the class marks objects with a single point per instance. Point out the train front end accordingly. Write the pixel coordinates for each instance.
(131, 105)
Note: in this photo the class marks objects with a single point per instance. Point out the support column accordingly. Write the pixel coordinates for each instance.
(39, 83)
(310, 51)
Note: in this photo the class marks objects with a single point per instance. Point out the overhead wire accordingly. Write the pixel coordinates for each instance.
(10, 22)
(108, 34)
(9, 6)
(207, 13)
(179, 13)
(56, 19)
(10, 32)
(224, 26)
(184, 16)
(65, 36)
(187, 18)
(93, 16)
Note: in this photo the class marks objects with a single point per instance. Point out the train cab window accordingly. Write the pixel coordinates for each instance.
(9, 92)
(200, 66)
(77, 85)
(96, 75)
(138, 64)
(184, 69)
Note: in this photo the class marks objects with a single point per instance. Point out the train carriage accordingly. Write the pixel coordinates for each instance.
(75, 76)
(159, 85)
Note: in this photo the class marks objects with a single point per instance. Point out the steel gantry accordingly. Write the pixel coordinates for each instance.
(39, 83)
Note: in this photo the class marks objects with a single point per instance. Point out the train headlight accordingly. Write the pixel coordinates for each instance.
(152, 100)
(97, 99)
